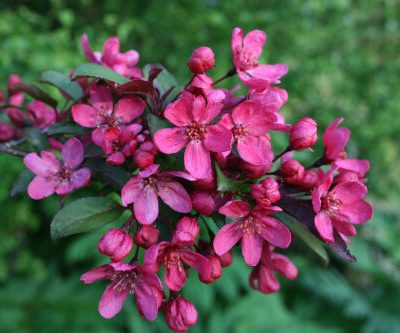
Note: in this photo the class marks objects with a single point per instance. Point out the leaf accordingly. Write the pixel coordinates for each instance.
(36, 93)
(136, 87)
(84, 215)
(98, 71)
(37, 138)
(21, 182)
(164, 80)
(63, 83)
(306, 236)
(155, 123)
(225, 184)
(63, 127)
(117, 177)
(210, 223)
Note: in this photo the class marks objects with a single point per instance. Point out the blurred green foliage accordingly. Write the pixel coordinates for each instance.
(343, 60)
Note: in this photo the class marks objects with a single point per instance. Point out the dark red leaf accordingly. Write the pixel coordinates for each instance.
(36, 93)
(135, 87)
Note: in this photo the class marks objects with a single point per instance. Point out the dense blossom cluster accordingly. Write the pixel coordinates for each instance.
(202, 175)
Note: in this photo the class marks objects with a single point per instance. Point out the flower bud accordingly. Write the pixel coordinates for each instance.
(201, 60)
(186, 232)
(16, 117)
(292, 171)
(226, 259)
(303, 134)
(310, 180)
(215, 270)
(180, 314)
(6, 132)
(266, 192)
(146, 236)
(116, 244)
(203, 203)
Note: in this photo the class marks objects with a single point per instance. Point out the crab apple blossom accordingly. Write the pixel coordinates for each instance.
(252, 227)
(266, 193)
(53, 175)
(292, 171)
(115, 243)
(262, 277)
(335, 140)
(193, 118)
(146, 236)
(6, 132)
(126, 279)
(201, 60)
(180, 314)
(41, 115)
(303, 134)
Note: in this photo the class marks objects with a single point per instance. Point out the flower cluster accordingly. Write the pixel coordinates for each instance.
(194, 168)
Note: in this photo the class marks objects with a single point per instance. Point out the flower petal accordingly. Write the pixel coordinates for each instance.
(146, 206)
(84, 115)
(197, 159)
(146, 301)
(104, 272)
(111, 302)
(227, 237)
(218, 138)
(101, 99)
(349, 192)
(175, 277)
(175, 196)
(235, 208)
(45, 166)
(255, 150)
(323, 224)
(251, 248)
(170, 140)
(254, 42)
(196, 261)
(284, 266)
(357, 212)
(275, 232)
(41, 187)
(73, 153)
(81, 177)
(179, 112)
(131, 190)
(129, 108)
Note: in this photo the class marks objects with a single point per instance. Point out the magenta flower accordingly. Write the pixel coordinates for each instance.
(41, 115)
(57, 176)
(246, 52)
(193, 119)
(249, 129)
(143, 189)
(115, 243)
(252, 227)
(201, 60)
(335, 140)
(126, 279)
(262, 277)
(180, 314)
(102, 114)
(6, 132)
(339, 207)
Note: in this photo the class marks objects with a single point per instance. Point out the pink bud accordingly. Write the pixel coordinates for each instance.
(6, 132)
(226, 259)
(201, 60)
(266, 192)
(146, 236)
(186, 232)
(215, 270)
(303, 134)
(16, 116)
(310, 180)
(254, 171)
(13, 80)
(203, 203)
(180, 314)
(292, 171)
(116, 244)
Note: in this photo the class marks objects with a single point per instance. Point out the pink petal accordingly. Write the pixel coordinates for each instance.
(272, 73)
(275, 232)
(81, 177)
(316, 199)
(197, 159)
(268, 283)
(111, 302)
(129, 108)
(218, 138)
(357, 212)
(323, 224)
(101, 99)
(86, 49)
(175, 196)
(104, 272)
(207, 114)
(179, 112)
(152, 253)
(255, 150)
(117, 158)
(349, 192)
(131, 191)
(284, 266)
(110, 50)
(98, 137)
(45, 166)
(196, 261)
(41, 187)
(73, 153)
(146, 300)
(227, 237)
(198, 110)
(237, 43)
(64, 188)
(235, 208)
(254, 42)
(146, 206)
(170, 140)
(84, 115)
(175, 277)
(344, 228)
(251, 248)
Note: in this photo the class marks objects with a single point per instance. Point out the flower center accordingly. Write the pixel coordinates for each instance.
(247, 59)
(250, 225)
(196, 131)
(239, 131)
(173, 259)
(117, 145)
(330, 204)
(124, 281)
(64, 175)
(107, 121)
(150, 181)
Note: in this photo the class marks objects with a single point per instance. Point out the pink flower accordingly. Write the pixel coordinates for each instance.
(173, 254)
(252, 227)
(335, 140)
(126, 279)
(262, 277)
(246, 52)
(201, 60)
(57, 176)
(309, 181)
(143, 189)
(266, 193)
(292, 171)
(41, 115)
(146, 236)
(180, 314)
(6, 132)
(193, 119)
(102, 114)
(303, 134)
(122, 63)
(339, 207)
(249, 129)
(202, 85)
(115, 243)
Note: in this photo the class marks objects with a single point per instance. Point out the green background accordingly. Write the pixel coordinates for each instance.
(343, 59)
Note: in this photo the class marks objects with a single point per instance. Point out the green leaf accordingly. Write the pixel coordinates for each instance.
(63, 127)
(62, 82)
(164, 80)
(101, 72)
(36, 93)
(84, 215)
(22, 181)
(225, 184)
(117, 177)
(155, 123)
(37, 138)
(306, 236)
